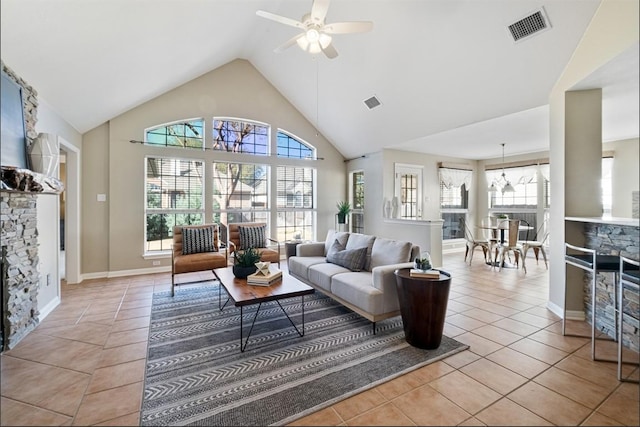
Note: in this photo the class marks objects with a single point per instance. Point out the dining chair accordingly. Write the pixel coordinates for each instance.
(536, 245)
(489, 233)
(512, 226)
(472, 243)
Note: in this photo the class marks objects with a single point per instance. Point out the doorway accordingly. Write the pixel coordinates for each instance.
(70, 212)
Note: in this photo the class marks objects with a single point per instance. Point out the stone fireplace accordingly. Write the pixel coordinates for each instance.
(20, 275)
(19, 269)
(20, 189)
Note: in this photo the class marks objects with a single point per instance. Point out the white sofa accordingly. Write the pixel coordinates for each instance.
(370, 292)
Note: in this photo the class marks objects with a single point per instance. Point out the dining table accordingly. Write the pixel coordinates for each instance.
(500, 228)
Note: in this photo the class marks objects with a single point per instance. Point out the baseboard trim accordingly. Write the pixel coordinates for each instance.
(47, 309)
(570, 315)
(122, 273)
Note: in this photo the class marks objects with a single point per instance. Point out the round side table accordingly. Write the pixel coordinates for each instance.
(423, 306)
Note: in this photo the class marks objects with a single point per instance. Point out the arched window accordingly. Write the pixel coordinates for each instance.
(184, 133)
(292, 148)
(240, 136)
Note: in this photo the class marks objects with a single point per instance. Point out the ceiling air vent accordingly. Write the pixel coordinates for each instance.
(531, 24)
(372, 102)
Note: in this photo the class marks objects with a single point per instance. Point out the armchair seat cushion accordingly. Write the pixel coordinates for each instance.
(267, 254)
(198, 262)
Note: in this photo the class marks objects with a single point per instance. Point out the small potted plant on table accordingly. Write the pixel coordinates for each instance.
(245, 262)
(343, 210)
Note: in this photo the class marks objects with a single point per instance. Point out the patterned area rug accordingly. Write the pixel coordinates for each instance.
(196, 374)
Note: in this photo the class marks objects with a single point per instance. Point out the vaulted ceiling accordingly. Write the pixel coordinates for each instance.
(450, 78)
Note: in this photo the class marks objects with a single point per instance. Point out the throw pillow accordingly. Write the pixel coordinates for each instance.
(353, 259)
(197, 240)
(253, 236)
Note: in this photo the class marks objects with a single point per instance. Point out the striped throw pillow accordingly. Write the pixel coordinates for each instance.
(253, 236)
(197, 240)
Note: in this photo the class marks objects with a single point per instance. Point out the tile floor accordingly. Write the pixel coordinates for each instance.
(84, 364)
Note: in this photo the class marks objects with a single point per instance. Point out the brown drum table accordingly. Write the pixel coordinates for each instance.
(423, 305)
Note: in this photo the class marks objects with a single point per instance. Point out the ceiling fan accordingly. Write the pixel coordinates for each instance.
(316, 34)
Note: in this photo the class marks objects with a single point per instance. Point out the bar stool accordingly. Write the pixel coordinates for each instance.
(587, 259)
(630, 277)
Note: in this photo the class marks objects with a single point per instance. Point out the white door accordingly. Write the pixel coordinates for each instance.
(408, 190)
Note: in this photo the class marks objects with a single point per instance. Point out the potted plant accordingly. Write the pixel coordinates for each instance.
(245, 262)
(343, 210)
(422, 262)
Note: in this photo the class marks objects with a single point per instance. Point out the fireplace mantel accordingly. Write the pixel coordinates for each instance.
(13, 179)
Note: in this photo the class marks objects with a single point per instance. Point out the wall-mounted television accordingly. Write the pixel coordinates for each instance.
(13, 151)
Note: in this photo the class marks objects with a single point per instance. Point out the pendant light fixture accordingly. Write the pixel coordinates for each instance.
(508, 188)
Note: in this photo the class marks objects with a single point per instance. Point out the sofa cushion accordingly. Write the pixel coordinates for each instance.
(198, 240)
(387, 251)
(355, 288)
(332, 236)
(299, 265)
(252, 237)
(353, 259)
(357, 240)
(320, 274)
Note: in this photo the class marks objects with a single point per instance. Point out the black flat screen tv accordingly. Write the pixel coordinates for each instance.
(13, 150)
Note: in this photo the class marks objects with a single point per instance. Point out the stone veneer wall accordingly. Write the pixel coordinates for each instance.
(19, 237)
(613, 240)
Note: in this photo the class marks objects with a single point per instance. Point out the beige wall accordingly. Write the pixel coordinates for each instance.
(114, 166)
(613, 29)
(625, 177)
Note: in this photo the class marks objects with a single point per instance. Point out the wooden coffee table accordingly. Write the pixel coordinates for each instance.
(244, 295)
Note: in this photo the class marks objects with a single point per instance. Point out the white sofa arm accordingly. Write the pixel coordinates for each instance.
(383, 277)
(310, 249)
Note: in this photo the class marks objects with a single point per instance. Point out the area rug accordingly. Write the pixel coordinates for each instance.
(196, 374)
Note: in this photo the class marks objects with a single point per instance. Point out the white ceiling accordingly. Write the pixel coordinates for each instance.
(450, 78)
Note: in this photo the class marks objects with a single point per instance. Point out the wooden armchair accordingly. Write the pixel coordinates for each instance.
(195, 248)
(252, 234)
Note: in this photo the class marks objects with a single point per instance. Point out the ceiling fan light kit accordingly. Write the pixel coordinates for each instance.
(315, 36)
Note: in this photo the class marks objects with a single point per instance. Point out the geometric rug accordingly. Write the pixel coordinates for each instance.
(196, 374)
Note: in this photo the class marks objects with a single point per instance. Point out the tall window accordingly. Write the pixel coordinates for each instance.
(185, 133)
(295, 203)
(521, 204)
(357, 202)
(174, 195)
(240, 192)
(454, 201)
(240, 136)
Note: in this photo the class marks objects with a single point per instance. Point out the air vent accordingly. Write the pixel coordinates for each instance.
(372, 102)
(533, 23)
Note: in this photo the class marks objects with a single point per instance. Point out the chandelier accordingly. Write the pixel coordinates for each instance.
(507, 188)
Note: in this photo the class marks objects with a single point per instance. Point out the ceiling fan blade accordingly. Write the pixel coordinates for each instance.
(330, 51)
(319, 11)
(288, 43)
(348, 27)
(281, 19)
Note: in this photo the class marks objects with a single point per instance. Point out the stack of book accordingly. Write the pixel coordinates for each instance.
(433, 274)
(261, 279)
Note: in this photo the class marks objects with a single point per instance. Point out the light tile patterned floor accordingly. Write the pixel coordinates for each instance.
(84, 364)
